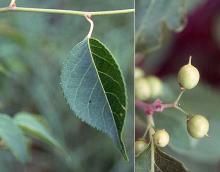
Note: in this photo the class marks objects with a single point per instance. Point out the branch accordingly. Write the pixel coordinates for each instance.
(70, 12)
(157, 106)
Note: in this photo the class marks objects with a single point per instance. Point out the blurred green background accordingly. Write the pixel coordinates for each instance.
(199, 38)
(32, 49)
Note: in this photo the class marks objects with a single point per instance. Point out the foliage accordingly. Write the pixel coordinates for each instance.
(158, 46)
(32, 55)
(163, 162)
(94, 88)
(154, 17)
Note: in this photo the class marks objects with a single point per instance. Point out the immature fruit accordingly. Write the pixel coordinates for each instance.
(138, 73)
(198, 126)
(161, 138)
(156, 86)
(140, 146)
(188, 76)
(142, 89)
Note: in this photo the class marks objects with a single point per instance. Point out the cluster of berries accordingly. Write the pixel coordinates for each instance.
(188, 78)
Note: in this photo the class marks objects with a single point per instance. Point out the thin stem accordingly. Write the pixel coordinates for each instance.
(150, 124)
(88, 17)
(180, 109)
(179, 96)
(150, 121)
(190, 60)
(145, 133)
(152, 149)
(12, 3)
(152, 157)
(170, 105)
(70, 12)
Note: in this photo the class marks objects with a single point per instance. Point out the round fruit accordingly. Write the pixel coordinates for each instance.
(198, 126)
(142, 89)
(140, 146)
(188, 76)
(161, 138)
(156, 86)
(138, 73)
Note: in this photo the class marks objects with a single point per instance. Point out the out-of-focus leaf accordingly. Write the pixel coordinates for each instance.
(203, 100)
(13, 138)
(32, 126)
(94, 88)
(163, 162)
(153, 16)
(8, 31)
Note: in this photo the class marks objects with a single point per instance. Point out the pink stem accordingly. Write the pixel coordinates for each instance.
(156, 106)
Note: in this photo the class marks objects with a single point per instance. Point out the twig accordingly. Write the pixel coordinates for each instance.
(70, 12)
(12, 4)
(179, 96)
(88, 18)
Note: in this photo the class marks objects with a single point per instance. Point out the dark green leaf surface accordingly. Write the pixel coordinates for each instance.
(166, 163)
(32, 126)
(13, 138)
(163, 162)
(93, 87)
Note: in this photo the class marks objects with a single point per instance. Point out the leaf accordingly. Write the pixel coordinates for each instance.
(94, 88)
(154, 16)
(32, 126)
(13, 138)
(167, 163)
(163, 162)
(203, 100)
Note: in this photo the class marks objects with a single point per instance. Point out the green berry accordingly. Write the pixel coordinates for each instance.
(140, 146)
(142, 89)
(156, 86)
(188, 76)
(198, 126)
(138, 73)
(161, 138)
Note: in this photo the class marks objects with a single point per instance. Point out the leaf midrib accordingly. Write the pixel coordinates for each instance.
(99, 79)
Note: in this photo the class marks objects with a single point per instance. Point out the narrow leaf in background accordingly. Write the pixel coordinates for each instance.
(94, 88)
(32, 126)
(13, 138)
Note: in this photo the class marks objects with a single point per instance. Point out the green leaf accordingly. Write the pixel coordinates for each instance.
(203, 100)
(32, 126)
(94, 88)
(163, 162)
(154, 16)
(13, 138)
(167, 163)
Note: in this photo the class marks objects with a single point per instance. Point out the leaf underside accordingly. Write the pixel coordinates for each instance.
(94, 88)
(163, 162)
